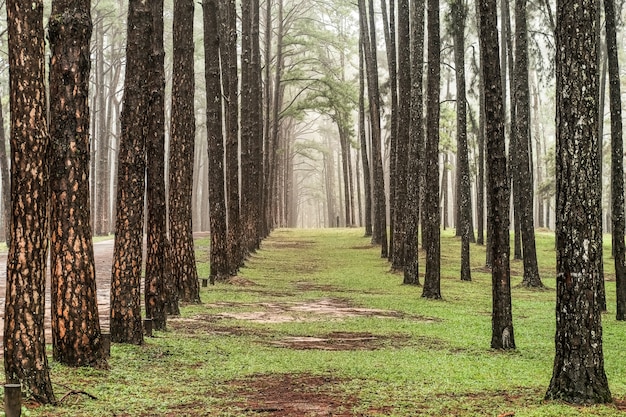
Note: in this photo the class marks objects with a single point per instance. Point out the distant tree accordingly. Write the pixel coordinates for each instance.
(416, 139)
(76, 336)
(502, 336)
(6, 186)
(217, 198)
(368, 33)
(431, 215)
(521, 139)
(182, 140)
(363, 141)
(389, 33)
(126, 322)
(578, 375)
(458, 10)
(25, 358)
(617, 160)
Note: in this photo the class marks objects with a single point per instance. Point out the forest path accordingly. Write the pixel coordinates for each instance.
(103, 258)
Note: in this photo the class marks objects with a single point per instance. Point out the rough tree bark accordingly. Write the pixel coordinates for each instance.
(502, 336)
(156, 253)
(126, 323)
(25, 358)
(416, 139)
(217, 197)
(458, 11)
(521, 139)
(367, 217)
(182, 139)
(76, 336)
(431, 214)
(578, 373)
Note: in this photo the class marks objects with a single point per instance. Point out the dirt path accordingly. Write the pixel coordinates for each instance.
(103, 256)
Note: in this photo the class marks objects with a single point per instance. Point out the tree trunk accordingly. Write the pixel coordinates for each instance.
(617, 160)
(497, 180)
(416, 139)
(367, 217)
(6, 186)
(431, 217)
(103, 174)
(76, 337)
(126, 323)
(390, 48)
(155, 192)
(458, 12)
(182, 142)
(522, 143)
(578, 374)
(217, 198)
(25, 358)
(402, 140)
(379, 236)
(230, 85)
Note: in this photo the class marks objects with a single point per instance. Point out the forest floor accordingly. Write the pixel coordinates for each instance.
(317, 325)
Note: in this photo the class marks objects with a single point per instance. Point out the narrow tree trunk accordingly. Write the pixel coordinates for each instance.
(363, 141)
(416, 139)
(431, 217)
(458, 12)
(6, 186)
(522, 143)
(617, 161)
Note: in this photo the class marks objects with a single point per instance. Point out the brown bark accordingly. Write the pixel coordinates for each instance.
(182, 142)
(76, 336)
(502, 336)
(156, 253)
(25, 358)
(126, 322)
(217, 198)
(578, 375)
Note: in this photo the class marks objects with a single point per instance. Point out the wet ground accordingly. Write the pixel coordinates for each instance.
(103, 256)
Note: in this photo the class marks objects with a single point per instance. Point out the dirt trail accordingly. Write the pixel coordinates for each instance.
(103, 256)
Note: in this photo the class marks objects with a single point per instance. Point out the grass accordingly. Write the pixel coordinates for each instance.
(436, 360)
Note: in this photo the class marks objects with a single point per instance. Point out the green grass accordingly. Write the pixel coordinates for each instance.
(443, 366)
